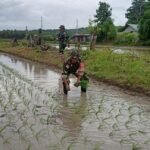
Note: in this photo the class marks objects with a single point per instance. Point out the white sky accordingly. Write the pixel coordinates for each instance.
(16, 14)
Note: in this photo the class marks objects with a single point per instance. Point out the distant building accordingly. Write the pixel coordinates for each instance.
(81, 38)
(131, 28)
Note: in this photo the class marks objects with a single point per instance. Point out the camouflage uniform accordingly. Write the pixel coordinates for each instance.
(70, 68)
(74, 65)
(63, 39)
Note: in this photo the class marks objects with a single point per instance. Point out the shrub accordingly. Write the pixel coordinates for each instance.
(146, 43)
(127, 39)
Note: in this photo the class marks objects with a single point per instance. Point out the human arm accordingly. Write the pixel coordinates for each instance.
(80, 72)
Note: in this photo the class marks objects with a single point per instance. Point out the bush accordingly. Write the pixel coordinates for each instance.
(144, 30)
(48, 38)
(127, 39)
(146, 43)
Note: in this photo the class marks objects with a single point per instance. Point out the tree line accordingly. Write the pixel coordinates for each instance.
(47, 35)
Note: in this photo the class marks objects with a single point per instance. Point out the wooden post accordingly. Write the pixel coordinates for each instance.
(93, 41)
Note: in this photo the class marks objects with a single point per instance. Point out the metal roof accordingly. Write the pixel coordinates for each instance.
(134, 26)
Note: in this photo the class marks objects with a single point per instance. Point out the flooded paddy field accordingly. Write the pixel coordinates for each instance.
(136, 51)
(36, 115)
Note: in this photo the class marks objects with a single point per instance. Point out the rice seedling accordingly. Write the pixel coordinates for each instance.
(2, 137)
(111, 134)
(5, 107)
(39, 134)
(134, 109)
(19, 92)
(125, 141)
(7, 141)
(48, 119)
(69, 147)
(97, 146)
(23, 139)
(115, 127)
(127, 124)
(32, 128)
(34, 110)
(63, 138)
(142, 132)
(29, 147)
(101, 127)
(135, 147)
(3, 128)
(147, 142)
(131, 135)
(54, 147)
(26, 103)
(19, 129)
(105, 119)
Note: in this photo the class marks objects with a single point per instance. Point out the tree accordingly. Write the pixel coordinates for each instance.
(103, 13)
(93, 29)
(144, 30)
(107, 30)
(135, 12)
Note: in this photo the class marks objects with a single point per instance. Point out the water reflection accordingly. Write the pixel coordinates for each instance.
(34, 71)
(72, 47)
(14, 60)
(131, 51)
(73, 114)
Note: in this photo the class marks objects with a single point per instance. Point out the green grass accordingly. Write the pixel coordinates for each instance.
(124, 69)
(4, 43)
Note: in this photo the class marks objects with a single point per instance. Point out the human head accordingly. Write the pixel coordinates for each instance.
(74, 56)
(62, 28)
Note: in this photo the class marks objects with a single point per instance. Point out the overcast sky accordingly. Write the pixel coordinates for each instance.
(16, 14)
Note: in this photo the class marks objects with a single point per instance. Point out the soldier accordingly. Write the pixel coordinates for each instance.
(63, 39)
(14, 42)
(74, 65)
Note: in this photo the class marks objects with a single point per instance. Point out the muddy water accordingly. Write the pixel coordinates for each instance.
(135, 52)
(34, 113)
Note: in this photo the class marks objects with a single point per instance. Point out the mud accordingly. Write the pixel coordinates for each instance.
(35, 114)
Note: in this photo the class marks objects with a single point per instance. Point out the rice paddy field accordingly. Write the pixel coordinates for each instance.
(36, 115)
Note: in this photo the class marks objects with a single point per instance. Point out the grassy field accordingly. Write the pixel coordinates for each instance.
(124, 70)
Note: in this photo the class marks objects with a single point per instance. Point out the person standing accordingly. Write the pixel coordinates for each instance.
(63, 39)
